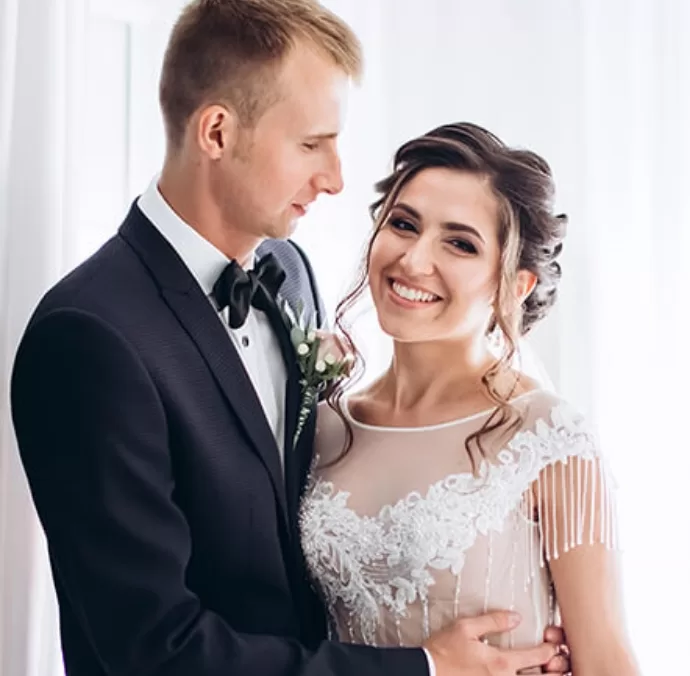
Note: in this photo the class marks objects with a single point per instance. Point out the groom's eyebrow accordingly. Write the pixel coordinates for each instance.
(325, 136)
(450, 225)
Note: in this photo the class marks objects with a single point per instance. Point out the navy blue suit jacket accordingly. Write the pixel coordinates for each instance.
(171, 527)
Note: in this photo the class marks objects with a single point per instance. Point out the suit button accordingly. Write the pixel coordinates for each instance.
(245, 341)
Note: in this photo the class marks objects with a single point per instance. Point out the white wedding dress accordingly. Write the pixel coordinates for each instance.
(401, 537)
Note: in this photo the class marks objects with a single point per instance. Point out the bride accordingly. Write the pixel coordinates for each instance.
(454, 484)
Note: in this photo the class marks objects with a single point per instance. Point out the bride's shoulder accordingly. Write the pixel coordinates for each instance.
(543, 404)
(329, 413)
(336, 424)
(537, 401)
(552, 421)
(331, 429)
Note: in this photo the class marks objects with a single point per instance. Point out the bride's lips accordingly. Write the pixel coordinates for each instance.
(406, 302)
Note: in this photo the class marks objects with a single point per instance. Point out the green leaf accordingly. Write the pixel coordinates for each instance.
(313, 358)
(299, 312)
(297, 336)
(290, 313)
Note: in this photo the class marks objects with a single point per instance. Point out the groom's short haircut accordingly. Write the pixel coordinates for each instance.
(230, 50)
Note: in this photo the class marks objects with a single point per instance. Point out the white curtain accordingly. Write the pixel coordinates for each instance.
(601, 89)
(41, 55)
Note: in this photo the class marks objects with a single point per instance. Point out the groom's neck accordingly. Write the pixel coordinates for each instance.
(187, 194)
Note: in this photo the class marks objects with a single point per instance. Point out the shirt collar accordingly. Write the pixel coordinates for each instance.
(203, 260)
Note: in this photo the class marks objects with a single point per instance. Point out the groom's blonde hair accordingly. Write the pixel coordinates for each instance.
(231, 50)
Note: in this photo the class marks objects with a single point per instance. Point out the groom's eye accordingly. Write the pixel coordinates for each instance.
(310, 145)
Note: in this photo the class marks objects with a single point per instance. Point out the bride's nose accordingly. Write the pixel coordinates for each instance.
(418, 259)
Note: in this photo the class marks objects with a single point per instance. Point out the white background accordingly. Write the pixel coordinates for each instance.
(601, 89)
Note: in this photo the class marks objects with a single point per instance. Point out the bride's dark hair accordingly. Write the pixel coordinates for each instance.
(530, 238)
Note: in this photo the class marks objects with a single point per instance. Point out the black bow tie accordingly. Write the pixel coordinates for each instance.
(238, 289)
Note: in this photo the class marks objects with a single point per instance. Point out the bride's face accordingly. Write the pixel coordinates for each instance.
(434, 265)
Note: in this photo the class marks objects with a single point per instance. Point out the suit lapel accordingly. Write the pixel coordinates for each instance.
(280, 324)
(226, 365)
(281, 327)
(198, 318)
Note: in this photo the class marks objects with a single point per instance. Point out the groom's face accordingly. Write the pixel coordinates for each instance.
(281, 165)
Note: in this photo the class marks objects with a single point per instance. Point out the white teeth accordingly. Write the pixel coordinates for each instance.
(413, 294)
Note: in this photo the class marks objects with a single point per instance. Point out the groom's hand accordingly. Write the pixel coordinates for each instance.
(459, 649)
(335, 346)
(561, 663)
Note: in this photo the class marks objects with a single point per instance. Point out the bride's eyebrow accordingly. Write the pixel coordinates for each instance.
(462, 227)
(407, 208)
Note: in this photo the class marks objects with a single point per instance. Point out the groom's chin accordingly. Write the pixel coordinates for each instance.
(284, 229)
(292, 226)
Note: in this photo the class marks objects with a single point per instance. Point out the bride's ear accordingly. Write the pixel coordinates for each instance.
(525, 283)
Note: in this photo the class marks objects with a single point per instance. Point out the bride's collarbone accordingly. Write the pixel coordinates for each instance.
(382, 413)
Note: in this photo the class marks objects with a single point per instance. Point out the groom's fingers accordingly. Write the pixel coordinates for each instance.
(561, 663)
(495, 622)
(530, 657)
(555, 635)
(558, 665)
(334, 345)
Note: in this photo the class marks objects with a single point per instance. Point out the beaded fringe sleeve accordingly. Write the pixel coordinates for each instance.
(572, 503)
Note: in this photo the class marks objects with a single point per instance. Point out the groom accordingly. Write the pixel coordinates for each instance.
(155, 394)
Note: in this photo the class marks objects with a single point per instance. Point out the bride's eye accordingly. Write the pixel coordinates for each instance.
(464, 245)
(401, 224)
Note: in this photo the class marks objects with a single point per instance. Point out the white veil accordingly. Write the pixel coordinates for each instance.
(532, 365)
(526, 360)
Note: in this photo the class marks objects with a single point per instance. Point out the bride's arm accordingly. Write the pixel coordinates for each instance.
(577, 521)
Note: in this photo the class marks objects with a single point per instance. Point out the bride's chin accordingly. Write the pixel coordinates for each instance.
(401, 331)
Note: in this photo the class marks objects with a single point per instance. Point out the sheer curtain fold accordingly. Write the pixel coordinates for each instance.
(637, 102)
(41, 57)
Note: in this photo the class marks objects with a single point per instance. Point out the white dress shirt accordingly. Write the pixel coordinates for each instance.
(255, 340)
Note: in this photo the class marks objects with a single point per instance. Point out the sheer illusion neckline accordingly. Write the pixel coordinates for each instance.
(426, 428)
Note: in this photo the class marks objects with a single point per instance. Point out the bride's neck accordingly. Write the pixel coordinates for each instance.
(433, 373)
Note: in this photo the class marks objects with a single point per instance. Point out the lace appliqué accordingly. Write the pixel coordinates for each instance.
(386, 561)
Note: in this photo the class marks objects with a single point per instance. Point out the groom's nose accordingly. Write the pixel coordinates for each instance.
(330, 179)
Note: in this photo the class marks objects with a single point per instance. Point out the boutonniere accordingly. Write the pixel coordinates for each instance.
(321, 359)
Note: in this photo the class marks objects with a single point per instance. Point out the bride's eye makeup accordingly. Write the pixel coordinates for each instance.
(464, 245)
(402, 224)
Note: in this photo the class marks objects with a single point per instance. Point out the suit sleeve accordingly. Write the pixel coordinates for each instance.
(92, 435)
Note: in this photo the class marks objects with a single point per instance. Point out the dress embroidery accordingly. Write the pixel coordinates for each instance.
(373, 569)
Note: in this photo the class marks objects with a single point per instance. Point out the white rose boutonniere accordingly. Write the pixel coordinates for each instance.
(321, 358)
